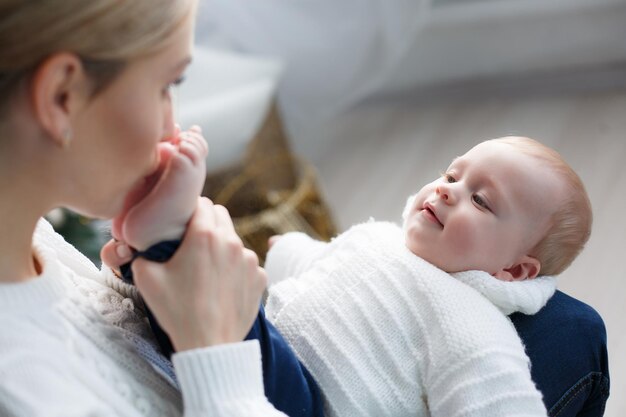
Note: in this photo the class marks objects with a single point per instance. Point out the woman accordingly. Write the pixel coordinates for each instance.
(84, 100)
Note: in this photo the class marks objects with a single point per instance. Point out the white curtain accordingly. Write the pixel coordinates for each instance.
(336, 52)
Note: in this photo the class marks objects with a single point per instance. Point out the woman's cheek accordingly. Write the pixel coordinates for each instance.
(143, 136)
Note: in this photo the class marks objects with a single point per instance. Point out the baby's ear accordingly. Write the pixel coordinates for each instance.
(527, 267)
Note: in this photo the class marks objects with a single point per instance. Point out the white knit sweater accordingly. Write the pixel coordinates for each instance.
(74, 342)
(385, 333)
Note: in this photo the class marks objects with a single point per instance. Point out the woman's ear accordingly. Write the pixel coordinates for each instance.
(57, 85)
(527, 267)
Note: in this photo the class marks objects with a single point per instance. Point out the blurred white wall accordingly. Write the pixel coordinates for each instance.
(340, 52)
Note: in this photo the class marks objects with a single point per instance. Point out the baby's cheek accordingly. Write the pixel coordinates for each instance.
(465, 240)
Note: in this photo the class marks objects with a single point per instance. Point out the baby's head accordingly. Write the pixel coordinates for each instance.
(510, 206)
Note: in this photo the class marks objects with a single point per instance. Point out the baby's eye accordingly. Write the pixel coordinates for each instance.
(448, 177)
(479, 200)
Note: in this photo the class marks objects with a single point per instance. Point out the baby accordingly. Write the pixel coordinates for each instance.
(412, 321)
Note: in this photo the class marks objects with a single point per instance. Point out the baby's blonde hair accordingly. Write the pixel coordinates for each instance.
(105, 34)
(570, 225)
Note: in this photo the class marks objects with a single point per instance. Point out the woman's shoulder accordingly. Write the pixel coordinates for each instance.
(29, 336)
(49, 357)
(45, 236)
(80, 270)
(84, 290)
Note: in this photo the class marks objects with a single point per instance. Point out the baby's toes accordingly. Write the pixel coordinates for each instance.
(196, 138)
(187, 165)
(193, 147)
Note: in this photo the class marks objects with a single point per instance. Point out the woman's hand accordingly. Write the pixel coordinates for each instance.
(209, 292)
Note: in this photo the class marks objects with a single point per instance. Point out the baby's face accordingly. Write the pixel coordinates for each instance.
(491, 207)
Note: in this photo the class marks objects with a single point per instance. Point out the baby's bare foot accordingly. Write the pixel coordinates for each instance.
(166, 150)
(163, 209)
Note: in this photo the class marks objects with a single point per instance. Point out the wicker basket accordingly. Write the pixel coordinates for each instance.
(271, 192)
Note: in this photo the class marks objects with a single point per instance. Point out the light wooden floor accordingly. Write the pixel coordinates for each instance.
(383, 152)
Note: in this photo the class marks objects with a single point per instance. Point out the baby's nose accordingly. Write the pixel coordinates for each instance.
(444, 193)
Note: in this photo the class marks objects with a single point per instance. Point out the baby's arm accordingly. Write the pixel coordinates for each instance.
(291, 254)
(492, 381)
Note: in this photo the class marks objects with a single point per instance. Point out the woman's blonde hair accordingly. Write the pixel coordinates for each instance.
(570, 225)
(105, 34)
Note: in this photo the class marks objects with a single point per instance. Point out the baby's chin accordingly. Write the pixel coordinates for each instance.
(415, 250)
(432, 258)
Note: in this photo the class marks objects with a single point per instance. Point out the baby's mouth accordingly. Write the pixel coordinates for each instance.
(430, 214)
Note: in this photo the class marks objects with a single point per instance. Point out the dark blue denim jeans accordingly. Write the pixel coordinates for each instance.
(566, 343)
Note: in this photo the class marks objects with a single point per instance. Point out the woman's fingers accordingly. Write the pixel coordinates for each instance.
(222, 216)
(256, 280)
(203, 218)
(115, 253)
(225, 224)
(150, 280)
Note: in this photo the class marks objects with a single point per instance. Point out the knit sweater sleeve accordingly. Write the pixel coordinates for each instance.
(498, 385)
(292, 254)
(486, 376)
(223, 381)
